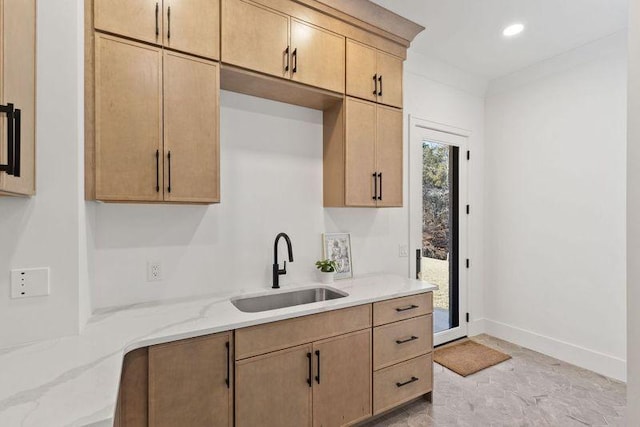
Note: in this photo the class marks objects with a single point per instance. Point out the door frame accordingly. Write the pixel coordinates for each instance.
(419, 130)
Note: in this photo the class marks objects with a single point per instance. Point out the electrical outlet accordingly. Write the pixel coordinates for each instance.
(154, 271)
(29, 282)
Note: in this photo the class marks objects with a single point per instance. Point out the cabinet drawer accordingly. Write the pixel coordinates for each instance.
(402, 308)
(401, 383)
(274, 336)
(400, 341)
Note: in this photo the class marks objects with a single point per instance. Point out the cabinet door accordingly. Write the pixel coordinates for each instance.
(275, 389)
(138, 19)
(189, 382)
(389, 79)
(361, 71)
(133, 396)
(191, 137)
(360, 136)
(193, 26)
(255, 37)
(317, 58)
(342, 380)
(389, 156)
(128, 97)
(18, 86)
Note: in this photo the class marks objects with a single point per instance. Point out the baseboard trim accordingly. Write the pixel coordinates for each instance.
(476, 327)
(600, 363)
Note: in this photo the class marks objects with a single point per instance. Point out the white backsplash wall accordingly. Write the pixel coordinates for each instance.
(271, 177)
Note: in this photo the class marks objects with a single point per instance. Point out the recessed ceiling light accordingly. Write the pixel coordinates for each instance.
(513, 30)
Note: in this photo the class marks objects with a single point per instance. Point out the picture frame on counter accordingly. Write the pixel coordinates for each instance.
(337, 248)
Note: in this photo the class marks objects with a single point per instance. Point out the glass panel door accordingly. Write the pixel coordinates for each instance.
(438, 223)
(439, 252)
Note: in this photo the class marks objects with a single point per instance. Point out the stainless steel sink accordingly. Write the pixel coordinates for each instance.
(274, 301)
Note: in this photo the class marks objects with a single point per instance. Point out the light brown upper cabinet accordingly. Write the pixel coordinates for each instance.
(373, 75)
(188, 26)
(261, 39)
(17, 97)
(317, 58)
(363, 154)
(255, 37)
(156, 124)
(190, 382)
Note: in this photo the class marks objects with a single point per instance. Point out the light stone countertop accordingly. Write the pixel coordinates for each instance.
(73, 381)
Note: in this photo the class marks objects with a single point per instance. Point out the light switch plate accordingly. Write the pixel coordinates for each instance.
(403, 251)
(30, 282)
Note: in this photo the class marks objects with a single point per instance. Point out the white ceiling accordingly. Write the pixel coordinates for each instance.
(468, 33)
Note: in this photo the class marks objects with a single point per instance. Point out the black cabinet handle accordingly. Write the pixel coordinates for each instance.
(375, 84)
(157, 171)
(157, 17)
(228, 379)
(375, 186)
(380, 89)
(310, 370)
(380, 195)
(169, 158)
(286, 55)
(412, 380)
(169, 23)
(411, 307)
(17, 117)
(295, 60)
(13, 140)
(413, 338)
(318, 376)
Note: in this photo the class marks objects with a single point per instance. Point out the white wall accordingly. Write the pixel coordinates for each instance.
(44, 230)
(271, 172)
(555, 207)
(633, 213)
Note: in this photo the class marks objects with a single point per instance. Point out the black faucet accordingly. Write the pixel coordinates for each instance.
(276, 267)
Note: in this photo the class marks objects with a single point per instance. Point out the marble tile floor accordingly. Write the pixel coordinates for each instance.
(531, 389)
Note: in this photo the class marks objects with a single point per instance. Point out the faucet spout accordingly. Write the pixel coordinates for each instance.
(277, 272)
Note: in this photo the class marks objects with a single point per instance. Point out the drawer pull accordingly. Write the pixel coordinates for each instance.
(411, 307)
(412, 380)
(413, 338)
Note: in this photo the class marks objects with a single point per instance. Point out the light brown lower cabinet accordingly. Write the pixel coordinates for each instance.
(326, 383)
(267, 375)
(187, 382)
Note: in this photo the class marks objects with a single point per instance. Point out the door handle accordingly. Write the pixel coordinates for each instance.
(295, 60)
(318, 376)
(375, 84)
(375, 186)
(169, 172)
(286, 55)
(380, 176)
(157, 171)
(310, 370)
(13, 140)
(380, 91)
(228, 379)
(157, 19)
(169, 23)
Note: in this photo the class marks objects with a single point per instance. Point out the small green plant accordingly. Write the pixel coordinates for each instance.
(326, 266)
